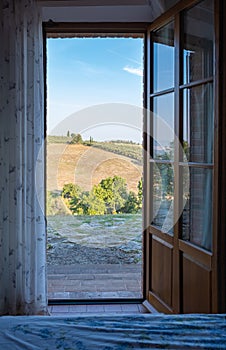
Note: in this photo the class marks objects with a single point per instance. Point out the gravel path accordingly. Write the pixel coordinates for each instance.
(71, 241)
(60, 251)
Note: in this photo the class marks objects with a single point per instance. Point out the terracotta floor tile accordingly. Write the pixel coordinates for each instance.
(60, 308)
(70, 310)
(77, 308)
(130, 308)
(95, 308)
(113, 308)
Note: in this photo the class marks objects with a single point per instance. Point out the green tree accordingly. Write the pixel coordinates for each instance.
(87, 204)
(131, 205)
(140, 193)
(114, 193)
(68, 133)
(71, 190)
(76, 138)
(91, 140)
(95, 205)
(110, 196)
(78, 203)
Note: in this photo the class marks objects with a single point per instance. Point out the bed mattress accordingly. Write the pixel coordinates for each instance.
(143, 331)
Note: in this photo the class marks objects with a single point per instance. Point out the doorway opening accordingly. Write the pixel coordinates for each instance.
(94, 167)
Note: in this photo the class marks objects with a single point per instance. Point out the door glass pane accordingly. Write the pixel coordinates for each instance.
(163, 197)
(163, 57)
(198, 123)
(198, 42)
(197, 214)
(163, 126)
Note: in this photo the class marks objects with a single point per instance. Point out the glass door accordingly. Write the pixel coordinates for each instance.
(180, 161)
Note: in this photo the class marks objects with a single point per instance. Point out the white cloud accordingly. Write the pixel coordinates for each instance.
(136, 71)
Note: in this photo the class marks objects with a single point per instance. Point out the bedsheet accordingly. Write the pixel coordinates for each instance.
(90, 332)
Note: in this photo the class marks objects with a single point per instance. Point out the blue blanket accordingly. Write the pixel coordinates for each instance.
(89, 332)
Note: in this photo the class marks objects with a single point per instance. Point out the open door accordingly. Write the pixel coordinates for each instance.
(179, 162)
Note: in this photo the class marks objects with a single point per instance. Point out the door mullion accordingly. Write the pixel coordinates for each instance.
(146, 159)
(177, 137)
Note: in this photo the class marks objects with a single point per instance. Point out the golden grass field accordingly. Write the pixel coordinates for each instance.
(87, 166)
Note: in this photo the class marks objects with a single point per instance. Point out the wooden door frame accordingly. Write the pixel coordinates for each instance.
(69, 30)
(219, 229)
(219, 241)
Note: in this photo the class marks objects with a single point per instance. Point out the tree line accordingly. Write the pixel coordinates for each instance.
(110, 196)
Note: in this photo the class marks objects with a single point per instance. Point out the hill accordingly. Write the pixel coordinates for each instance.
(86, 165)
(127, 149)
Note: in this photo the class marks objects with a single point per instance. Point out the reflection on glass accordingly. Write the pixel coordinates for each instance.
(163, 197)
(197, 214)
(164, 57)
(198, 42)
(198, 123)
(163, 126)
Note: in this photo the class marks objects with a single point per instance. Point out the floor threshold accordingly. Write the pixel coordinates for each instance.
(113, 308)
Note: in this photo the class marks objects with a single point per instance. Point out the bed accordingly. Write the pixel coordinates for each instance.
(88, 332)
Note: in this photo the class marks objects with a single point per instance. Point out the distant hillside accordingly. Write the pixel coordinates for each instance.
(58, 139)
(124, 148)
(86, 166)
(127, 149)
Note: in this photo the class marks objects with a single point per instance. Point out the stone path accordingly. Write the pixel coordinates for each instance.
(101, 281)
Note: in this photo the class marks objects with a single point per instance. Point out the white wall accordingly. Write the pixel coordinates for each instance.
(103, 10)
(98, 14)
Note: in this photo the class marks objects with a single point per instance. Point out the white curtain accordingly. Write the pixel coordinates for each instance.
(22, 221)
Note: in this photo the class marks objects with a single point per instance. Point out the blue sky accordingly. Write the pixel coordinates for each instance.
(82, 72)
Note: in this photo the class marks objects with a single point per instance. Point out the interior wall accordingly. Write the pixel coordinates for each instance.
(104, 10)
(97, 14)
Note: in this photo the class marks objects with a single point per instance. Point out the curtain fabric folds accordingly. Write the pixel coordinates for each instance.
(22, 221)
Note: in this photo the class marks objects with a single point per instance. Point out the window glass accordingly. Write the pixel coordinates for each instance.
(197, 214)
(163, 197)
(198, 123)
(163, 57)
(163, 126)
(198, 42)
